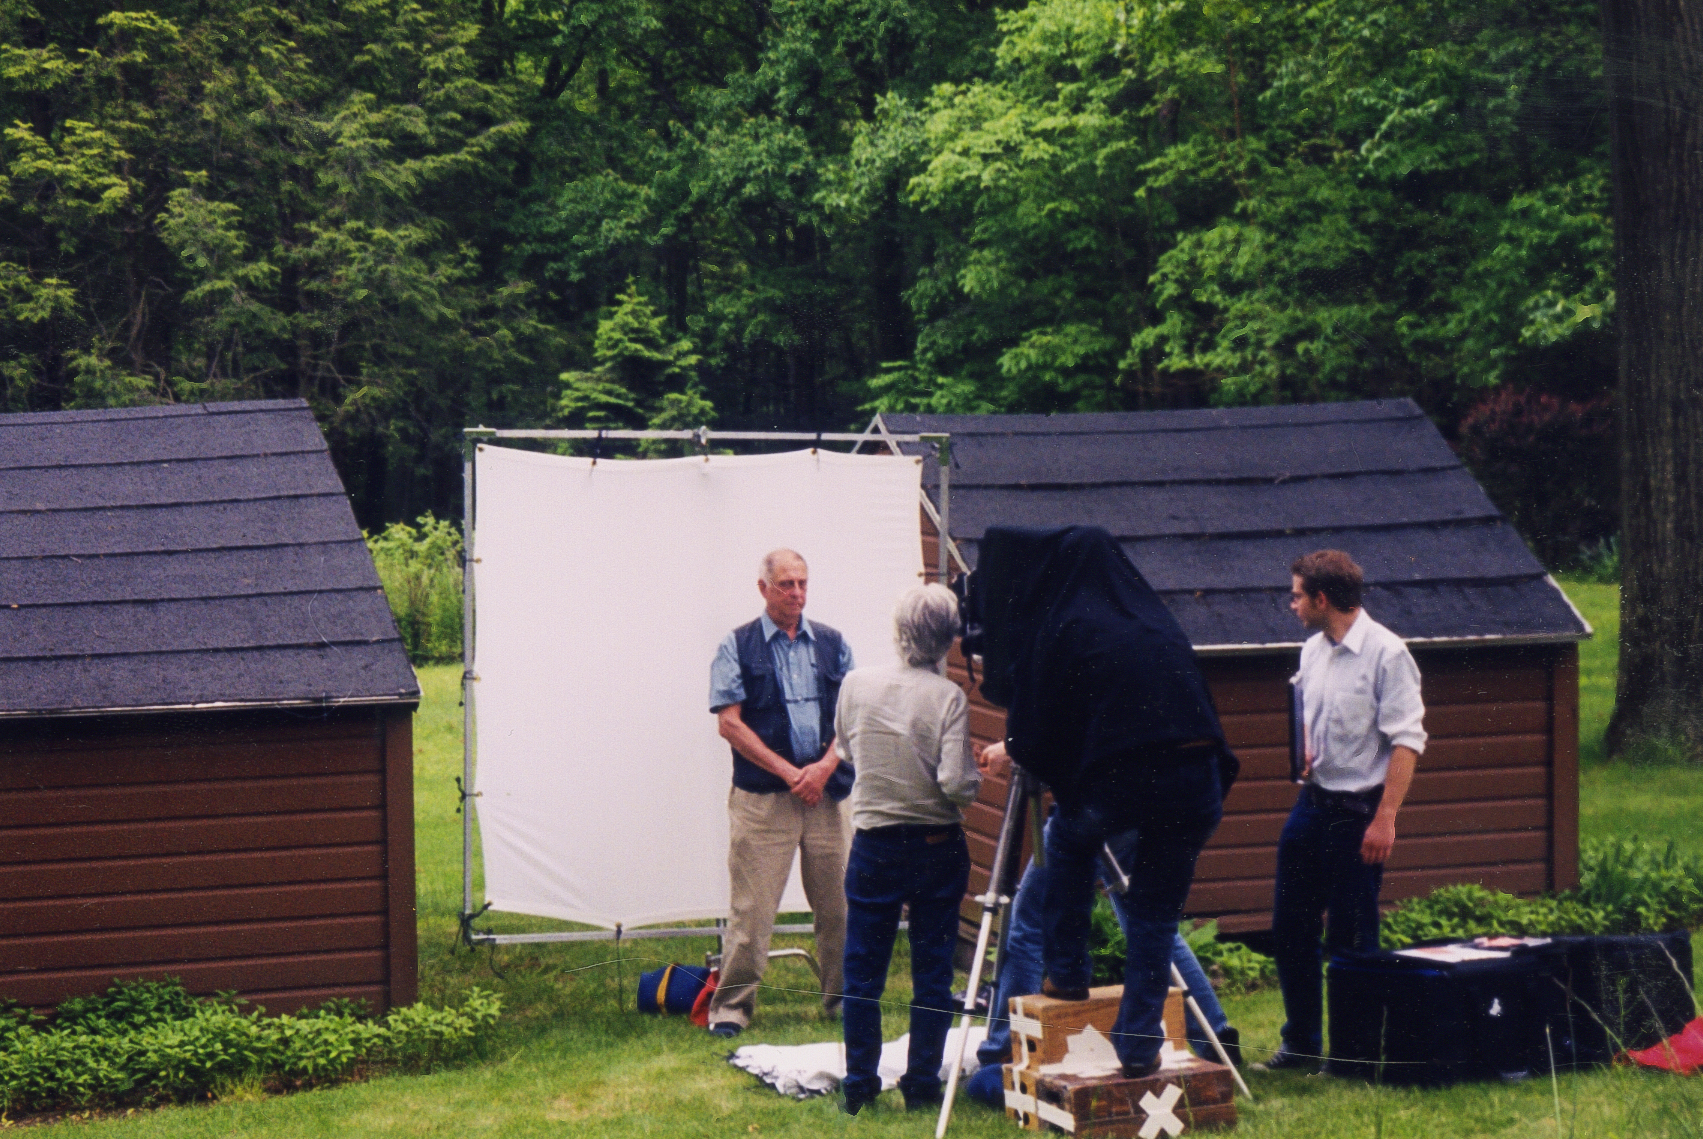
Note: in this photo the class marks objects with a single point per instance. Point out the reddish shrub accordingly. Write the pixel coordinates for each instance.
(1550, 465)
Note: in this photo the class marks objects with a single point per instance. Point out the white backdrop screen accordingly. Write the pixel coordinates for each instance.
(601, 593)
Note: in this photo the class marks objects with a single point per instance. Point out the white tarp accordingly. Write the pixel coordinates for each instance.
(602, 592)
(805, 1070)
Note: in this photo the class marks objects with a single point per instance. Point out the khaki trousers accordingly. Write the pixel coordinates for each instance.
(766, 829)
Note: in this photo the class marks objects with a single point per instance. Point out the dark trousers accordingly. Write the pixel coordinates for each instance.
(926, 868)
(1318, 871)
(1155, 815)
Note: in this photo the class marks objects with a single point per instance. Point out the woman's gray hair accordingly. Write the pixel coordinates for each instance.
(925, 622)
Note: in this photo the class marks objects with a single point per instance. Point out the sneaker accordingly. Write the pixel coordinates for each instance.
(987, 1085)
(1232, 1041)
(726, 1029)
(1284, 1062)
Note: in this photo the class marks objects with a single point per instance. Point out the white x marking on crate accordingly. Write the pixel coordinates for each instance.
(1160, 1117)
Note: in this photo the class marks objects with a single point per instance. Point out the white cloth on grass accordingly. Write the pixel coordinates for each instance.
(805, 1070)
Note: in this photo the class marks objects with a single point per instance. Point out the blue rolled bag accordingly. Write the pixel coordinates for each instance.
(672, 989)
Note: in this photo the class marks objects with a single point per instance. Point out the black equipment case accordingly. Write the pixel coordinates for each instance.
(1578, 1000)
(1627, 992)
(1405, 1020)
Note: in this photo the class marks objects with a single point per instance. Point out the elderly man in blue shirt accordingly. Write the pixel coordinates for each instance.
(1363, 730)
(774, 684)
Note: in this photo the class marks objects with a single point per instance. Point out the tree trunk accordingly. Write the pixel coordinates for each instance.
(1654, 64)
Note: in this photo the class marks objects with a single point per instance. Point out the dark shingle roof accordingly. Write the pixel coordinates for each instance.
(184, 556)
(1213, 505)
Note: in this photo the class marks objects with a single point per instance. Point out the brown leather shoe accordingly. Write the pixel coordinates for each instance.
(1048, 989)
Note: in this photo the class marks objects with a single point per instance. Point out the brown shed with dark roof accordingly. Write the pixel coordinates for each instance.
(206, 766)
(1212, 506)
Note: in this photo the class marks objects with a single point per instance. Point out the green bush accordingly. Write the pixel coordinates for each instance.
(146, 1042)
(424, 1038)
(1625, 886)
(1232, 966)
(420, 567)
(125, 1006)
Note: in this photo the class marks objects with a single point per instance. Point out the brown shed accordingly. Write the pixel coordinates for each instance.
(1213, 506)
(206, 767)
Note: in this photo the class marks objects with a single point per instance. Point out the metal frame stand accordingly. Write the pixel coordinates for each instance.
(702, 438)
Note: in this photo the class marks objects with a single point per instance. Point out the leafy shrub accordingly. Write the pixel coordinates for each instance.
(1625, 886)
(1650, 889)
(316, 1049)
(344, 1007)
(1232, 966)
(178, 1059)
(152, 1042)
(1601, 563)
(421, 571)
(1549, 464)
(13, 1016)
(423, 1038)
(127, 1005)
(1105, 944)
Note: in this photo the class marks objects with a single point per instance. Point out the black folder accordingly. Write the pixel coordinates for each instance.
(1297, 733)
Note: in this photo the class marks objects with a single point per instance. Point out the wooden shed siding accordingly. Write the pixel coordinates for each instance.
(267, 853)
(1564, 770)
(1494, 801)
(402, 925)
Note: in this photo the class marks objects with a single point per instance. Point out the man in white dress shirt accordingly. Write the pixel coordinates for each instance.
(1362, 718)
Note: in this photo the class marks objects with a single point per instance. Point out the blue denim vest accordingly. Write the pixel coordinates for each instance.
(764, 708)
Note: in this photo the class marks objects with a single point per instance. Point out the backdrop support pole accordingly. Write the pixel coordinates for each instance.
(468, 447)
(943, 456)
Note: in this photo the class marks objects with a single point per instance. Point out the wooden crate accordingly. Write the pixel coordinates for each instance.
(1020, 1101)
(1203, 1099)
(1041, 1027)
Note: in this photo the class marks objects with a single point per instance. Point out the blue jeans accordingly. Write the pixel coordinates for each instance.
(1020, 972)
(928, 869)
(1155, 816)
(1318, 870)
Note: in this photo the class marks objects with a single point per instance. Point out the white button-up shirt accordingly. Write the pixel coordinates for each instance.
(1360, 698)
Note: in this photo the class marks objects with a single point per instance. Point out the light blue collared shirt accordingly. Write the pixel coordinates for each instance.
(1361, 698)
(795, 665)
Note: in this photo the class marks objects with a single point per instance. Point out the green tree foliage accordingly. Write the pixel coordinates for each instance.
(1156, 203)
(424, 214)
(643, 378)
(223, 200)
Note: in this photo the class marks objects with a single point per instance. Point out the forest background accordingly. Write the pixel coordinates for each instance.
(424, 214)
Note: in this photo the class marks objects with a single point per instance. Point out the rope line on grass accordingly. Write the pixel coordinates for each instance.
(957, 1009)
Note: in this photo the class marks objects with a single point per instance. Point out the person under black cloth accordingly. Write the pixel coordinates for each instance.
(1109, 709)
(1020, 971)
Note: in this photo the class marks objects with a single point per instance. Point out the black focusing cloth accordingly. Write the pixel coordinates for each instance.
(1101, 672)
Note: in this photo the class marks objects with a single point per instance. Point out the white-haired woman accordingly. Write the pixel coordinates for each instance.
(905, 729)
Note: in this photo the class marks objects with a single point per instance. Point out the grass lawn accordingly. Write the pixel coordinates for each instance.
(1615, 798)
(571, 1061)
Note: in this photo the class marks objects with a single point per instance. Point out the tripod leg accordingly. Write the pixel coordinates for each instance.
(992, 900)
